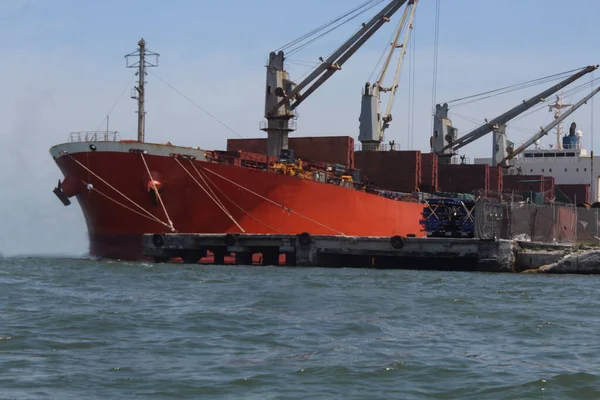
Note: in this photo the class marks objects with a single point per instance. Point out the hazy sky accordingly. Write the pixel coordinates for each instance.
(63, 69)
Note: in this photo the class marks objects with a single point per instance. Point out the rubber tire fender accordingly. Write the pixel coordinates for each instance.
(397, 242)
(304, 238)
(158, 240)
(229, 240)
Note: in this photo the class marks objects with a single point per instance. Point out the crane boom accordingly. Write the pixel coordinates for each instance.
(544, 131)
(388, 111)
(341, 55)
(372, 125)
(514, 112)
(283, 96)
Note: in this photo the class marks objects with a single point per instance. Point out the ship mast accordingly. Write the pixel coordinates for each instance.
(557, 108)
(139, 93)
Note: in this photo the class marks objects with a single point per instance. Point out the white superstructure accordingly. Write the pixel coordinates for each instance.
(570, 164)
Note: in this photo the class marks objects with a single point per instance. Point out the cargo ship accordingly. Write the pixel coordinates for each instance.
(315, 185)
(126, 188)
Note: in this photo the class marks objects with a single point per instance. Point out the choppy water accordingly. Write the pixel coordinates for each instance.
(75, 329)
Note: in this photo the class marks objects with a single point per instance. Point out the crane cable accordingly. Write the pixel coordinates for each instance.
(299, 47)
(544, 104)
(320, 28)
(436, 43)
(509, 89)
(196, 105)
(517, 86)
(569, 92)
(411, 85)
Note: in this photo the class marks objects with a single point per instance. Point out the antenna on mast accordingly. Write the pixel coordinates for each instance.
(141, 62)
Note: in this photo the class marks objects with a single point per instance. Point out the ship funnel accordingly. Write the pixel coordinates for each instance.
(572, 129)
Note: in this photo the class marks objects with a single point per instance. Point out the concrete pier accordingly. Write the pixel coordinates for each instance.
(305, 250)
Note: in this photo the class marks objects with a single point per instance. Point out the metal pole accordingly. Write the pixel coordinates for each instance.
(140, 90)
(593, 185)
(141, 64)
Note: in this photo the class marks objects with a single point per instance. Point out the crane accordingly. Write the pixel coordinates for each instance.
(283, 95)
(445, 141)
(372, 124)
(544, 131)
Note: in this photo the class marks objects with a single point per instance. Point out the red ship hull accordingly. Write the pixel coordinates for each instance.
(206, 197)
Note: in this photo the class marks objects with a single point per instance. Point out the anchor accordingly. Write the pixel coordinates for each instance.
(61, 195)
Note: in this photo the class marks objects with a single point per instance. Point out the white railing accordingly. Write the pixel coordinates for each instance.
(94, 136)
(382, 147)
(291, 126)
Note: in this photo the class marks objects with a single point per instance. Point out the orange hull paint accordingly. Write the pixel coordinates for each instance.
(301, 205)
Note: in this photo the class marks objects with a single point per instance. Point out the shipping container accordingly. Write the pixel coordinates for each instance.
(574, 194)
(537, 188)
(496, 179)
(429, 173)
(326, 149)
(398, 171)
(464, 178)
(254, 145)
(524, 183)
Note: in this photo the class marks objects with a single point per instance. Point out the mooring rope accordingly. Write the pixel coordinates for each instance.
(116, 190)
(157, 192)
(208, 186)
(234, 203)
(273, 202)
(127, 207)
(210, 196)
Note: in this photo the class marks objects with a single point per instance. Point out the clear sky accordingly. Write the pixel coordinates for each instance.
(63, 69)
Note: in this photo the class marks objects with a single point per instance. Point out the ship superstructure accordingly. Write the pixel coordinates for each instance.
(569, 164)
(566, 160)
